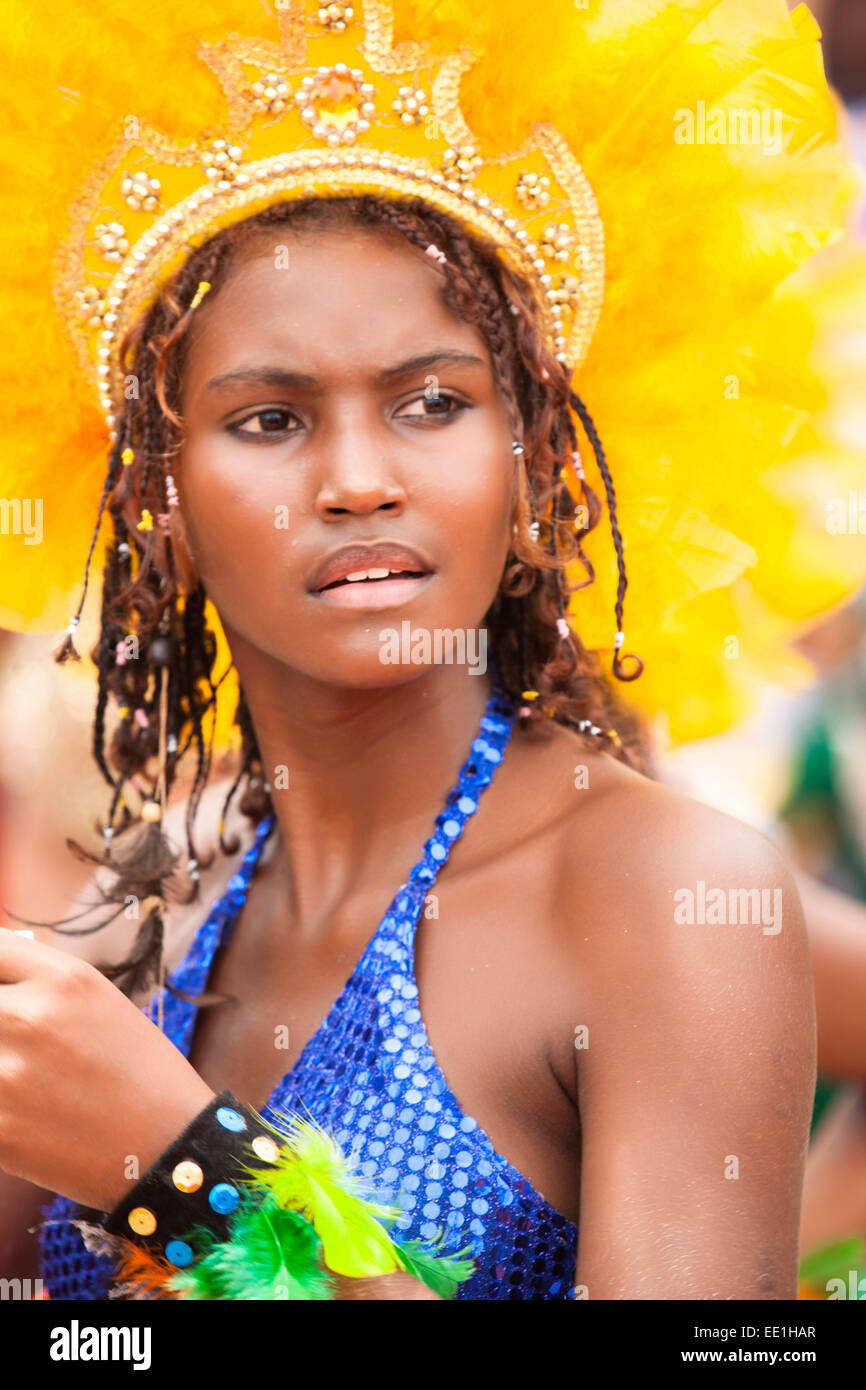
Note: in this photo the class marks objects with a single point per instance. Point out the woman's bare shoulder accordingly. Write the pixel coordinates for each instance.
(658, 886)
(615, 824)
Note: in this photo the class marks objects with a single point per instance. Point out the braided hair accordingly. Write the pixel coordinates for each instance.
(537, 656)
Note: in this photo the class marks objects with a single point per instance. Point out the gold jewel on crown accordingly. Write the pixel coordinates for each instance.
(332, 105)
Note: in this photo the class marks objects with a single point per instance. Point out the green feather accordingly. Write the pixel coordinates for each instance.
(441, 1273)
(199, 1282)
(271, 1253)
(311, 1189)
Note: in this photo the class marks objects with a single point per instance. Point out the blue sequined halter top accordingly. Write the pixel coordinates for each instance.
(369, 1076)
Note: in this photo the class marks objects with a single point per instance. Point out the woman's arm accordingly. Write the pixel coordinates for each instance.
(696, 1089)
(76, 1062)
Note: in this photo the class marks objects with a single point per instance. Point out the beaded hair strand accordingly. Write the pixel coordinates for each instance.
(540, 660)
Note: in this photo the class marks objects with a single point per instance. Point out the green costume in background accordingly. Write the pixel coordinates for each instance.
(818, 793)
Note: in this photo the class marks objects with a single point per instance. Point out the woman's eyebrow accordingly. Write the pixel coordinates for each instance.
(281, 377)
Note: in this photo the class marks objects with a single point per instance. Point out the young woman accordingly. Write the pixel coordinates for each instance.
(334, 349)
(578, 1057)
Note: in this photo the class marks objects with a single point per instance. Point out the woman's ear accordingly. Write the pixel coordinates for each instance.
(185, 567)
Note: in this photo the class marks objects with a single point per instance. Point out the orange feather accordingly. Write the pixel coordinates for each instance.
(144, 1271)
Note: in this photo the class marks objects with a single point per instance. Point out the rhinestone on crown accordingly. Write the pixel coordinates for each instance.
(336, 103)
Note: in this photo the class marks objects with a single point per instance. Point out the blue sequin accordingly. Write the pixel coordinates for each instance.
(224, 1197)
(369, 1076)
(179, 1253)
(230, 1119)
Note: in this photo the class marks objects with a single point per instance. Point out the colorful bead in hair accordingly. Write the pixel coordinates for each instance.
(203, 287)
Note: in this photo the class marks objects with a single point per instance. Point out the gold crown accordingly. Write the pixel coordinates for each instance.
(332, 105)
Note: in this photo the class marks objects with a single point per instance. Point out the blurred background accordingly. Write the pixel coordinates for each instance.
(796, 770)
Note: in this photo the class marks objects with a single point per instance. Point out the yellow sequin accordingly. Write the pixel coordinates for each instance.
(142, 1221)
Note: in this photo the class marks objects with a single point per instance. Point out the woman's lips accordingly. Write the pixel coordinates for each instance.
(374, 593)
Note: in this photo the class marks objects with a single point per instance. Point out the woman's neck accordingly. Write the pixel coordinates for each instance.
(357, 776)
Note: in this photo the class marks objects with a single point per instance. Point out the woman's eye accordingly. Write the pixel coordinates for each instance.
(442, 406)
(269, 422)
(274, 420)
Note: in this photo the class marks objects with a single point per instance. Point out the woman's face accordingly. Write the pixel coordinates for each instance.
(330, 399)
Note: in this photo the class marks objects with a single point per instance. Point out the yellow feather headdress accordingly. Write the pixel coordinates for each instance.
(657, 171)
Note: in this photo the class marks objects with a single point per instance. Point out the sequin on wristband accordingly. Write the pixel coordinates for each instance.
(224, 1197)
(142, 1221)
(265, 1148)
(187, 1176)
(230, 1119)
(179, 1253)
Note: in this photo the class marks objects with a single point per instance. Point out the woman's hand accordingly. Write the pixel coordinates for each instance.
(91, 1092)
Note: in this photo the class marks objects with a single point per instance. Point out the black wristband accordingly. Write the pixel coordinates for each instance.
(195, 1182)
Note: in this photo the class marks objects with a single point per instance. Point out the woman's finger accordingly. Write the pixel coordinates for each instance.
(21, 956)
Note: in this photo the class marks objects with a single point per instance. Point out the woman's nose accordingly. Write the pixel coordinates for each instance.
(356, 474)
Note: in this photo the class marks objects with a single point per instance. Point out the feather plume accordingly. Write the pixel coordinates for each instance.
(312, 1176)
(294, 1215)
(272, 1253)
(712, 433)
(138, 1274)
(96, 1239)
(441, 1273)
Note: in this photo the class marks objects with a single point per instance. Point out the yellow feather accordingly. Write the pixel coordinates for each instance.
(724, 536)
(312, 1176)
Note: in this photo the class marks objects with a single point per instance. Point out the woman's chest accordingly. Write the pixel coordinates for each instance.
(490, 1009)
